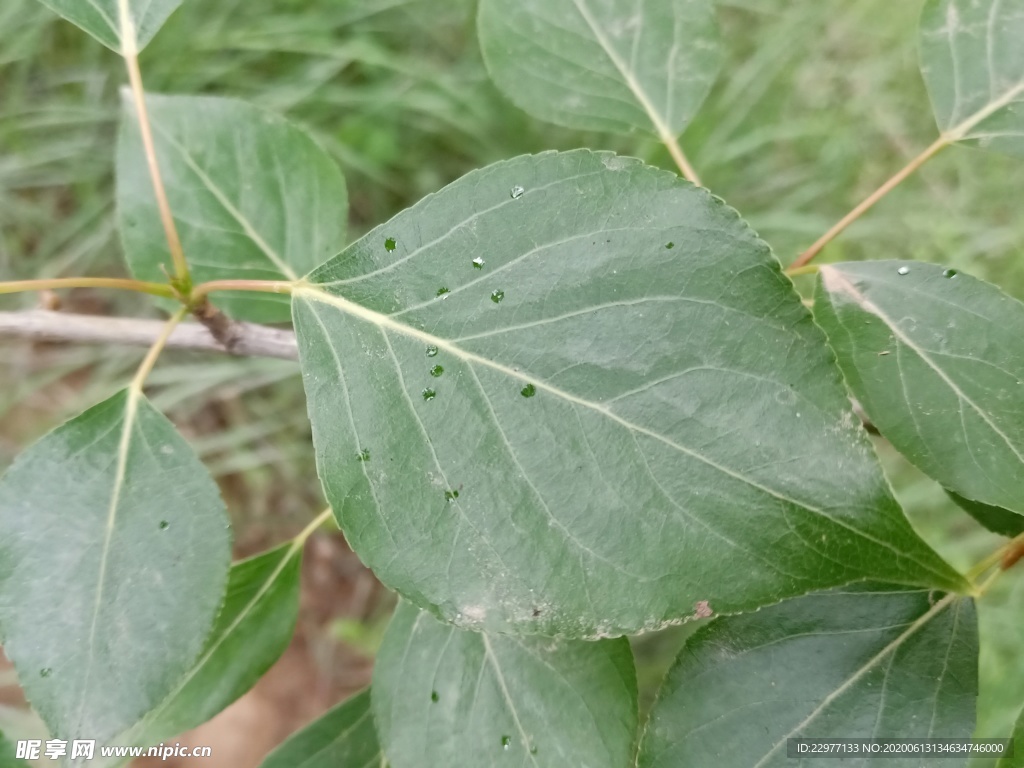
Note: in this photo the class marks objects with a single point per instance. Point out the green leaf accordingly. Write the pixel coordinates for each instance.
(973, 65)
(623, 415)
(872, 661)
(252, 631)
(253, 197)
(114, 552)
(345, 736)
(612, 65)
(933, 356)
(8, 754)
(1017, 761)
(996, 519)
(102, 19)
(445, 696)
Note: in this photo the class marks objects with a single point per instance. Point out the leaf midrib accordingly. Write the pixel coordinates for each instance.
(837, 284)
(312, 292)
(248, 229)
(662, 129)
(124, 445)
(870, 664)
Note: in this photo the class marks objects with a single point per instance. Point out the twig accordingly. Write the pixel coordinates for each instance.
(248, 339)
(867, 203)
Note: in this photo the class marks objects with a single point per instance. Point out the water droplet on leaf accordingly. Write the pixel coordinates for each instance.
(451, 495)
(478, 263)
(436, 371)
(390, 244)
(949, 273)
(431, 351)
(442, 291)
(364, 455)
(517, 192)
(45, 672)
(429, 394)
(434, 697)
(164, 525)
(903, 271)
(506, 741)
(497, 296)
(528, 391)
(670, 246)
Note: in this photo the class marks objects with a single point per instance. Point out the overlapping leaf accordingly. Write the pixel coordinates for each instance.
(343, 737)
(445, 696)
(973, 64)
(996, 519)
(615, 65)
(253, 197)
(934, 357)
(114, 551)
(103, 19)
(571, 394)
(252, 631)
(873, 661)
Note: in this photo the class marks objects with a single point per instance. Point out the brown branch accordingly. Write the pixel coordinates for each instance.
(247, 339)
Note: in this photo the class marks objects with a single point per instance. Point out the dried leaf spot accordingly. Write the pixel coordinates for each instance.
(702, 610)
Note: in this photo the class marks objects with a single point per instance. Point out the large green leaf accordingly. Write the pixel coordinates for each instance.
(252, 631)
(589, 403)
(973, 63)
(103, 20)
(934, 357)
(253, 197)
(616, 65)
(872, 661)
(343, 737)
(114, 552)
(446, 696)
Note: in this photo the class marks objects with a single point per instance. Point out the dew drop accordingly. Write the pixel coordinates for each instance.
(949, 273)
(517, 192)
(903, 271)
(497, 296)
(45, 671)
(431, 351)
(533, 750)
(528, 391)
(670, 246)
(429, 394)
(164, 525)
(451, 495)
(442, 291)
(364, 455)
(477, 263)
(506, 741)
(390, 244)
(436, 371)
(434, 697)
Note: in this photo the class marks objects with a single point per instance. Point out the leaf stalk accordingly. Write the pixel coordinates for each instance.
(182, 281)
(869, 202)
(139, 286)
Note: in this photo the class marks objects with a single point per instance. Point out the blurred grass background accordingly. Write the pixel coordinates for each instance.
(817, 105)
